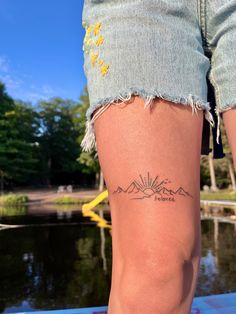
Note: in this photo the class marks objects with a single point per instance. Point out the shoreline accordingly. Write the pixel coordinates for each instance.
(80, 196)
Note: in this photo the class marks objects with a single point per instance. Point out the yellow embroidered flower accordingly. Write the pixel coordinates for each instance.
(87, 41)
(97, 28)
(90, 42)
(104, 69)
(100, 40)
(94, 57)
(89, 29)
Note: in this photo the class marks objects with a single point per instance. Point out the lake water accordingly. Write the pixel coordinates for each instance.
(55, 258)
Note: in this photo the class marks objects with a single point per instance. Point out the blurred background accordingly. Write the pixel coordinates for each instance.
(52, 255)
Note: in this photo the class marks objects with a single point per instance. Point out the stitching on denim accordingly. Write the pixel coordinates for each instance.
(89, 140)
(202, 20)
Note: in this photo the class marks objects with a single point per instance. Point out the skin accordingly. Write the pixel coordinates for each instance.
(229, 120)
(156, 238)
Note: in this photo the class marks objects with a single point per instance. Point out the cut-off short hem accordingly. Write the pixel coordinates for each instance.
(219, 112)
(191, 55)
(89, 140)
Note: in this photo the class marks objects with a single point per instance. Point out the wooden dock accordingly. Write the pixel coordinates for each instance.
(213, 304)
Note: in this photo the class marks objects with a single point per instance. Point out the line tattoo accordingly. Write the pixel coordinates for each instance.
(146, 187)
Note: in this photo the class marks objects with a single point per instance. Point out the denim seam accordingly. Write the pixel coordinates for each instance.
(207, 49)
(202, 20)
(217, 94)
(89, 140)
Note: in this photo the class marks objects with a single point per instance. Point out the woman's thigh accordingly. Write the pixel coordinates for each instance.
(151, 161)
(229, 118)
(151, 165)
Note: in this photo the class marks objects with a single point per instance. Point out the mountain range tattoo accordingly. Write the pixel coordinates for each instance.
(149, 188)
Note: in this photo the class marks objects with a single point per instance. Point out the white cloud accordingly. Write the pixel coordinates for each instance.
(4, 66)
(33, 97)
(20, 89)
(48, 90)
(11, 82)
(23, 87)
(32, 94)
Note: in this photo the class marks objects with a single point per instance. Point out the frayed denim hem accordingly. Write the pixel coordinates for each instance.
(89, 140)
(218, 112)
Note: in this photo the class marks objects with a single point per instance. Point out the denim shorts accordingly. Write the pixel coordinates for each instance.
(181, 51)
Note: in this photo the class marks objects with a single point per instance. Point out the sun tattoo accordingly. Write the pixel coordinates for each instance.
(146, 187)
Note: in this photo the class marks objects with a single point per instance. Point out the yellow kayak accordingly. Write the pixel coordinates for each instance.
(87, 210)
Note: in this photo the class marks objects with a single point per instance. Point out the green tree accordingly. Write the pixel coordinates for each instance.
(90, 160)
(227, 163)
(18, 128)
(58, 140)
(218, 172)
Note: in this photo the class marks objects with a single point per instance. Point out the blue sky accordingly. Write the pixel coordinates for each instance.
(41, 52)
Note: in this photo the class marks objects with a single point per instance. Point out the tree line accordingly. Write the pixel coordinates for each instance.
(40, 146)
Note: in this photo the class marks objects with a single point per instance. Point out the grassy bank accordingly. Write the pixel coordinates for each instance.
(219, 195)
(19, 199)
(13, 199)
(66, 200)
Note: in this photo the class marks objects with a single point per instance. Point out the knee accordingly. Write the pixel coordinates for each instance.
(159, 282)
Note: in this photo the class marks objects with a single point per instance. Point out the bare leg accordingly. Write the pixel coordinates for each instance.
(229, 118)
(155, 241)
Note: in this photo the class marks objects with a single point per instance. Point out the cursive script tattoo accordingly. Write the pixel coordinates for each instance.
(146, 187)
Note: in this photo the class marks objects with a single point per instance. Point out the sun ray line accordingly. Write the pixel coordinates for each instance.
(153, 183)
(142, 180)
(139, 185)
(148, 179)
(145, 180)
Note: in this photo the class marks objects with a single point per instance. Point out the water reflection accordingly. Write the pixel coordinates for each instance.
(218, 262)
(13, 211)
(30, 215)
(53, 267)
(65, 260)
